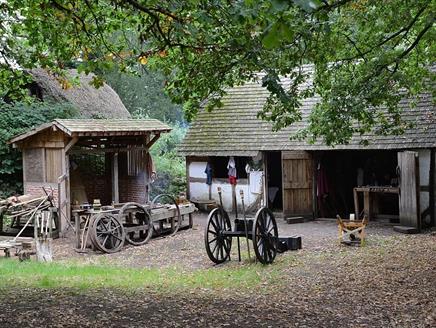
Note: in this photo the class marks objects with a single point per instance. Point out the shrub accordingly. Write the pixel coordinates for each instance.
(170, 167)
(16, 119)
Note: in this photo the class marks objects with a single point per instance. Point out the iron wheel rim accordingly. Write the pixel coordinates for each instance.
(218, 245)
(108, 233)
(141, 236)
(265, 236)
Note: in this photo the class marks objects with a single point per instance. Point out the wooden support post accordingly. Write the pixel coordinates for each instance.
(191, 220)
(356, 204)
(115, 190)
(367, 204)
(234, 202)
(77, 224)
(188, 191)
(67, 190)
(315, 187)
(265, 179)
(432, 188)
(1, 221)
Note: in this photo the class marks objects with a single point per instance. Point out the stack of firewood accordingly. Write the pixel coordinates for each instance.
(22, 206)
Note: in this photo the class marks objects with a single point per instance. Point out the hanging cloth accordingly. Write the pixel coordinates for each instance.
(208, 171)
(256, 178)
(231, 167)
(322, 188)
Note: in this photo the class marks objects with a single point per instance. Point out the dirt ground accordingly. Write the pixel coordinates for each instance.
(391, 282)
(186, 249)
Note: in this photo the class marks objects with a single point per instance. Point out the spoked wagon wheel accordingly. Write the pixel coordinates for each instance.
(176, 221)
(107, 233)
(265, 236)
(217, 244)
(137, 223)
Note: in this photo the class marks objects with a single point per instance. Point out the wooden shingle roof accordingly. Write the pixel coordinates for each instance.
(235, 129)
(99, 127)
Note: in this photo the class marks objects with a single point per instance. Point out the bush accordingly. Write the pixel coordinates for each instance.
(16, 119)
(170, 167)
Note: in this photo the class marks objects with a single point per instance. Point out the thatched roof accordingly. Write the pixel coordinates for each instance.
(235, 130)
(90, 101)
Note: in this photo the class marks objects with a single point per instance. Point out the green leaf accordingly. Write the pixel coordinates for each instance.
(308, 5)
(271, 38)
(275, 35)
(279, 5)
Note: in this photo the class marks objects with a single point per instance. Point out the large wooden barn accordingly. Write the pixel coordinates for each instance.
(391, 178)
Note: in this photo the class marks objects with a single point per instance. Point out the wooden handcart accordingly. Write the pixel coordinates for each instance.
(109, 229)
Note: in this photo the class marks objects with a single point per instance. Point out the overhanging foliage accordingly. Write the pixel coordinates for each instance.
(363, 51)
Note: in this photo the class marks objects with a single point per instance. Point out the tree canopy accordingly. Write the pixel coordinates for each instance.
(144, 96)
(366, 54)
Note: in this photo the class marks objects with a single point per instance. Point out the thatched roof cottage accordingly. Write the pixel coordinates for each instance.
(91, 102)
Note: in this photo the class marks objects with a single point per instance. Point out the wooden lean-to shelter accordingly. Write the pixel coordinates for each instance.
(395, 174)
(87, 159)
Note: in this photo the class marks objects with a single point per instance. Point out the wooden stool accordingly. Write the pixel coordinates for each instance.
(353, 230)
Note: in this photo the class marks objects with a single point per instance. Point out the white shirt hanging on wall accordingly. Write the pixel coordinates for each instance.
(256, 182)
(231, 166)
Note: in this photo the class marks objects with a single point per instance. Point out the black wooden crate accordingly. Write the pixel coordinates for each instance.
(240, 225)
(289, 243)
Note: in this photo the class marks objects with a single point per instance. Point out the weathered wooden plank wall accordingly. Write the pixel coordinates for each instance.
(54, 164)
(297, 183)
(409, 189)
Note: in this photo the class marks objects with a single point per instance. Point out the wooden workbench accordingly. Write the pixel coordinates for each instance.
(368, 202)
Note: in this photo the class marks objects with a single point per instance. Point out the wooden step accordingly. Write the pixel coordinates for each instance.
(295, 219)
(406, 229)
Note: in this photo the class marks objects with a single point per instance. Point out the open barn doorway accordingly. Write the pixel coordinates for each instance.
(339, 172)
(274, 187)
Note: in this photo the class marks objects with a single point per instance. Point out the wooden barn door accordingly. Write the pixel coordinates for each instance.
(297, 183)
(408, 168)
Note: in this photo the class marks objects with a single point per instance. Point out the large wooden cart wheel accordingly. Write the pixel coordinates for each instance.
(176, 220)
(217, 244)
(265, 236)
(136, 222)
(107, 233)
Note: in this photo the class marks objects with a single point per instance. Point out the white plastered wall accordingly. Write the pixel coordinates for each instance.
(200, 190)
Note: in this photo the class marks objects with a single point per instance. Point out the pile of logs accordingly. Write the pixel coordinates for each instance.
(19, 207)
(21, 212)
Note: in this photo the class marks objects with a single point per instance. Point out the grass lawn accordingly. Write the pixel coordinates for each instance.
(76, 275)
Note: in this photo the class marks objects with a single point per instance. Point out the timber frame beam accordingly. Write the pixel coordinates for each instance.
(152, 141)
(71, 143)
